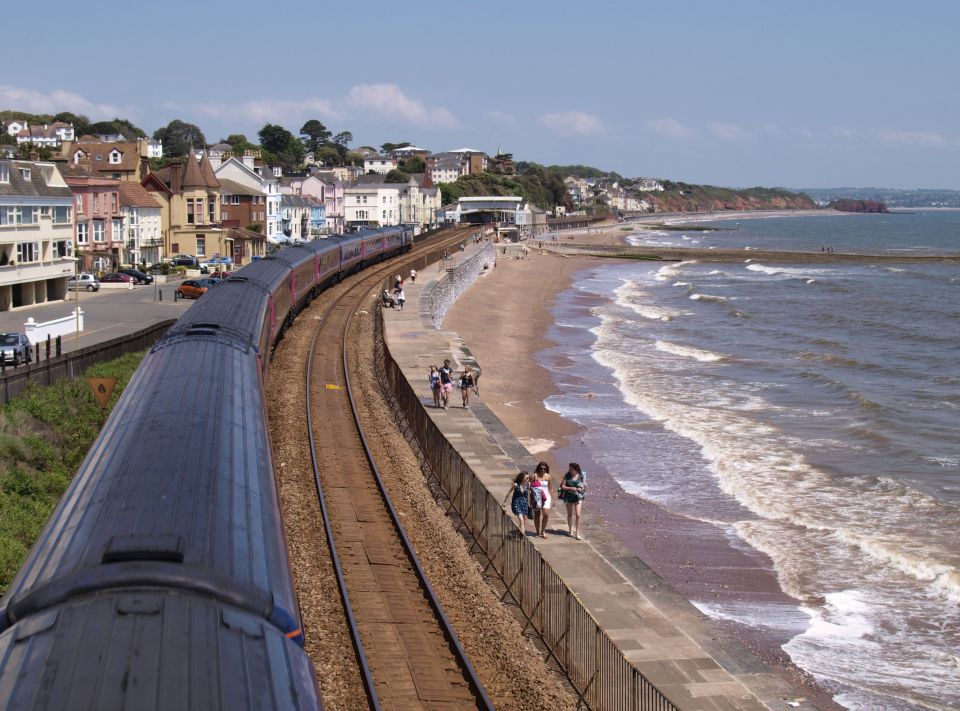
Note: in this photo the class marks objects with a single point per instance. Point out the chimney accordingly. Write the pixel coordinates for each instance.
(34, 156)
(176, 176)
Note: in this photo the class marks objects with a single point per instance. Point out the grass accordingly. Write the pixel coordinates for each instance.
(44, 435)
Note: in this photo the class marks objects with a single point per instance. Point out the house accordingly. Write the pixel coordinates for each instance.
(125, 160)
(379, 164)
(372, 205)
(447, 167)
(36, 233)
(189, 194)
(47, 135)
(302, 217)
(14, 126)
(409, 152)
(142, 225)
(339, 173)
(509, 212)
(99, 222)
(266, 186)
(477, 160)
(329, 193)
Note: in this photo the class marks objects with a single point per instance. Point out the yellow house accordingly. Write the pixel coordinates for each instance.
(189, 194)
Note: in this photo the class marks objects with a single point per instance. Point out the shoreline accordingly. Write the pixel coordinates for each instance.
(696, 560)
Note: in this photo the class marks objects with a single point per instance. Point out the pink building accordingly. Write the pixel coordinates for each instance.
(99, 223)
(330, 192)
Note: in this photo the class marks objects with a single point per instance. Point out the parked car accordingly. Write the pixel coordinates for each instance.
(138, 276)
(14, 347)
(185, 261)
(116, 278)
(195, 288)
(83, 281)
(216, 262)
(221, 275)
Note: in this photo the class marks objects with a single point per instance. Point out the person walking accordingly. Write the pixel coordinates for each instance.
(397, 282)
(413, 276)
(572, 490)
(435, 385)
(518, 495)
(446, 382)
(399, 296)
(467, 383)
(542, 472)
(538, 495)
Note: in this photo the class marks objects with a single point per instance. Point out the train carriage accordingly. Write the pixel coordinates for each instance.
(351, 254)
(328, 262)
(303, 273)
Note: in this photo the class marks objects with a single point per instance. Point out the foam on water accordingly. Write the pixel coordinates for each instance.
(708, 297)
(688, 352)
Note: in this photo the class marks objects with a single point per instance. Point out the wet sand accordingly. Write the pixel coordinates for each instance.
(504, 319)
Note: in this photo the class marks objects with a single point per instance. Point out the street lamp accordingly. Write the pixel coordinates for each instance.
(76, 290)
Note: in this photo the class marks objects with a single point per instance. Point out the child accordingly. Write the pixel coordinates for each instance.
(518, 494)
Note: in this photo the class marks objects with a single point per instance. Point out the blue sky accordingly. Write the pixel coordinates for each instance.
(736, 93)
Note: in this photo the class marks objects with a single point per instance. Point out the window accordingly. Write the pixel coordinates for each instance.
(201, 245)
(134, 216)
(25, 173)
(234, 199)
(61, 215)
(191, 211)
(114, 201)
(98, 230)
(62, 248)
(117, 233)
(4, 173)
(28, 252)
(96, 202)
(44, 211)
(16, 215)
(114, 156)
(212, 210)
(79, 204)
(82, 234)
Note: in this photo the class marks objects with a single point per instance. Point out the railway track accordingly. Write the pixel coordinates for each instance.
(409, 657)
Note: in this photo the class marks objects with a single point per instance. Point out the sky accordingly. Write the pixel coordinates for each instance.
(737, 93)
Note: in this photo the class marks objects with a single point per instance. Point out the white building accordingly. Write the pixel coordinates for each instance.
(36, 234)
(263, 180)
(379, 164)
(372, 204)
(142, 228)
(48, 135)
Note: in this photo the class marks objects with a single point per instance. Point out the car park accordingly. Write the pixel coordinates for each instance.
(138, 276)
(78, 282)
(15, 348)
(116, 278)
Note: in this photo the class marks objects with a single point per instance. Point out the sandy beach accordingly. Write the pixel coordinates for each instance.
(504, 319)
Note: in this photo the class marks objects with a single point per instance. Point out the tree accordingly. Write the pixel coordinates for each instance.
(282, 145)
(179, 138)
(413, 165)
(396, 176)
(328, 155)
(387, 147)
(117, 125)
(79, 121)
(344, 138)
(315, 135)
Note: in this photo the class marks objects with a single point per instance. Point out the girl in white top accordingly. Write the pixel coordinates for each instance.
(542, 472)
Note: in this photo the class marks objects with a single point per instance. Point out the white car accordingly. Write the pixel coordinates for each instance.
(83, 281)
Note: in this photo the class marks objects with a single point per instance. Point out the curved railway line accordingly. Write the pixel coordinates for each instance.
(408, 654)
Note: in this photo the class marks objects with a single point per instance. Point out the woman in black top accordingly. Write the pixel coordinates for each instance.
(467, 383)
(572, 491)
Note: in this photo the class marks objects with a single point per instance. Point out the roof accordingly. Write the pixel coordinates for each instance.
(243, 233)
(135, 195)
(464, 150)
(45, 181)
(98, 155)
(231, 187)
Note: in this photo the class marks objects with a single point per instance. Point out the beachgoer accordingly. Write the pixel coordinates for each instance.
(397, 282)
(387, 299)
(399, 296)
(446, 382)
(519, 504)
(467, 383)
(536, 502)
(572, 490)
(435, 385)
(413, 275)
(542, 472)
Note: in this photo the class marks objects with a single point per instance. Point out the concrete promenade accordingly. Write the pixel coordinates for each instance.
(672, 644)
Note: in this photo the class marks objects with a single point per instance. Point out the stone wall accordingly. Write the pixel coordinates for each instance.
(444, 294)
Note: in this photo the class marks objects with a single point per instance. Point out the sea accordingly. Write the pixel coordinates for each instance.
(810, 412)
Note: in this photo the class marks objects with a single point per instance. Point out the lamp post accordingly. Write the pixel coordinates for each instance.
(76, 300)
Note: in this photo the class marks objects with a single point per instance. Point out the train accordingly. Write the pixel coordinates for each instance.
(161, 580)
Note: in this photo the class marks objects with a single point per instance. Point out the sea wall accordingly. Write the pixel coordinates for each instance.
(444, 294)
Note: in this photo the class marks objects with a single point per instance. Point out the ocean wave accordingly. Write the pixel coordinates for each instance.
(792, 272)
(708, 297)
(681, 283)
(632, 296)
(671, 271)
(688, 352)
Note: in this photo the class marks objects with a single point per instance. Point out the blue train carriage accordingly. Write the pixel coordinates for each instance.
(271, 278)
(152, 649)
(327, 263)
(302, 264)
(351, 254)
(178, 495)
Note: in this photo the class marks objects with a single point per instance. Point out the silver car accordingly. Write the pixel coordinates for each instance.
(14, 347)
(83, 281)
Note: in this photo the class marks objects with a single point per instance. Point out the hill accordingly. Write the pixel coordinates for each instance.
(685, 197)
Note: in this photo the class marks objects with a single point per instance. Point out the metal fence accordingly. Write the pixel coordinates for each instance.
(71, 365)
(595, 666)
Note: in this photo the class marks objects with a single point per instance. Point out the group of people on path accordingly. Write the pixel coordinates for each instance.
(397, 297)
(442, 382)
(531, 498)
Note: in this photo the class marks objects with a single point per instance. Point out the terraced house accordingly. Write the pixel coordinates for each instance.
(99, 222)
(36, 233)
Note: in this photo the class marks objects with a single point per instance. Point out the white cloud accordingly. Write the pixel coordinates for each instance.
(272, 110)
(577, 123)
(502, 118)
(912, 138)
(844, 132)
(37, 102)
(389, 101)
(727, 131)
(670, 128)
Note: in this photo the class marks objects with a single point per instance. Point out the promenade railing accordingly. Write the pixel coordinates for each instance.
(595, 666)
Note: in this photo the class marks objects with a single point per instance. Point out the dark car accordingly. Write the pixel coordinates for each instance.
(116, 278)
(138, 276)
(15, 348)
(184, 261)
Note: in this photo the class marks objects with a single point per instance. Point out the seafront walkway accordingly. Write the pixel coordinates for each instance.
(660, 634)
